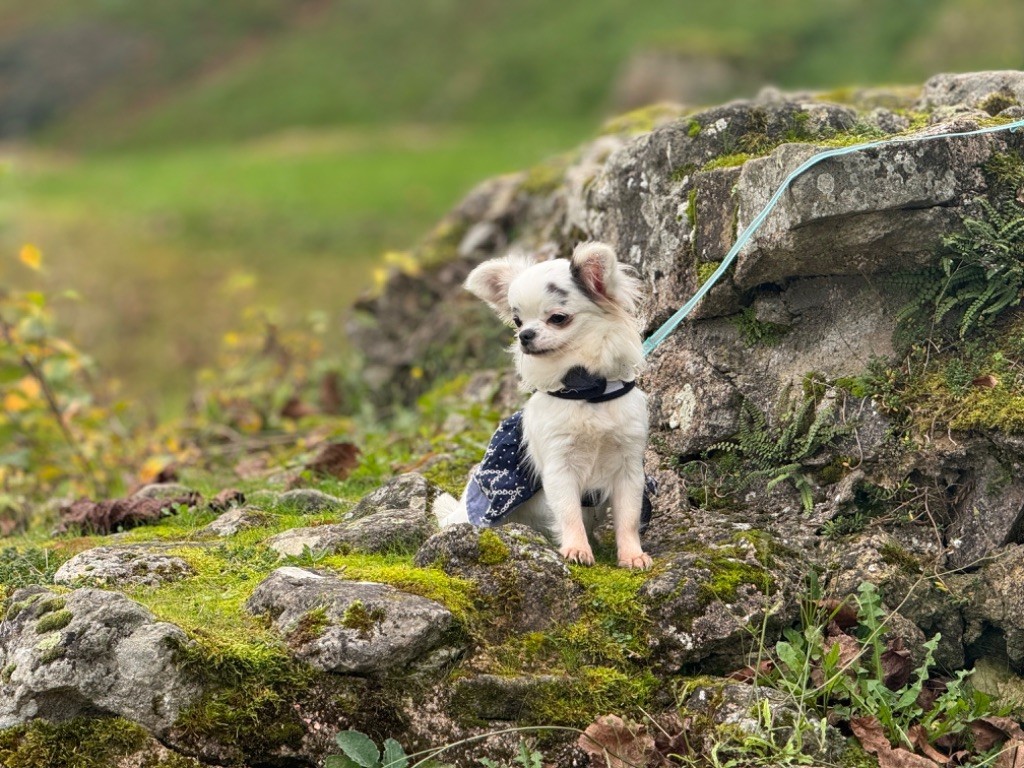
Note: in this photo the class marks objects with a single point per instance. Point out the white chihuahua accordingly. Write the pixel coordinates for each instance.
(578, 445)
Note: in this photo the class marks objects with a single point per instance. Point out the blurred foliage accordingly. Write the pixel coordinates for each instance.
(54, 431)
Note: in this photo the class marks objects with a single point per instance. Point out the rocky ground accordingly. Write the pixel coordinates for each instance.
(833, 407)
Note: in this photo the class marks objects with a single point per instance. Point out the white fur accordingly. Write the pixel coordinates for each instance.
(575, 446)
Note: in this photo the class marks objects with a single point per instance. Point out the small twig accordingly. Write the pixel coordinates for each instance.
(51, 402)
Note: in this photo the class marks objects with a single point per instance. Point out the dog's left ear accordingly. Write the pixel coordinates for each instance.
(595, 270)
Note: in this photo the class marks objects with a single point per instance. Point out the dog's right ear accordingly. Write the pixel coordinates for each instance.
(490, 281)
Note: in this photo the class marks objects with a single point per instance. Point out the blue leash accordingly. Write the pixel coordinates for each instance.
(673, 322)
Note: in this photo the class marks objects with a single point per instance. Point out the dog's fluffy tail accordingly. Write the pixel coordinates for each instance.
(449, 511)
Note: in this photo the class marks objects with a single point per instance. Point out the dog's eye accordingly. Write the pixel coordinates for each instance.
(518, 322)
(558, 319)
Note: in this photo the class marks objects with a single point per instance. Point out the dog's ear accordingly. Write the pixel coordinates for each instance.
(594, 269)
(598, 273)
(490, 281)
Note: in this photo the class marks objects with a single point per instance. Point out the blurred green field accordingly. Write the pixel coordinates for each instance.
(251, 153)
(170, 248)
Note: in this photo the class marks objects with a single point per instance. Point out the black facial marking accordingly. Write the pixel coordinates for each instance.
(560, 293)
(577, 279)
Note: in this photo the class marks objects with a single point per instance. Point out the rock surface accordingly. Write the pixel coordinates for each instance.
(396, 518)
(88, 653)
(516, 572)
(355, 627)
(112, 566)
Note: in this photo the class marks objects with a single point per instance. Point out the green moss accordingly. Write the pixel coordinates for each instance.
(644, 120)
(80, 743)
(49, 605)
(578, 700)
(691, 208)
(311, 625)
(247, 699)
(546, 177)
(455, 594)
(442, 243)
(1005, 170)
(705, 270)
(893, 554)
(834, 471)
(361, 619)
(693, 129)
(8, 672)
(492, 550)
(727, 161)
(728, 574)
(756, 332)
(996, 102)
(682, 172)
(54, 621)
(50, 648)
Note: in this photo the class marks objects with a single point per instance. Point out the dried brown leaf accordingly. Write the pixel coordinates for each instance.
(750, 673)
(335, 459)
(229, 497)
(872, 738)
(897, 665)
(118, 514)
(919, 738)
(841, 612)
(1012, 755)
(992, 731)
(613, 743)
(296, 409)
(331, 400)
(988, 381)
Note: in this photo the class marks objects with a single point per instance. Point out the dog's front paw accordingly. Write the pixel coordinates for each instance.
(581, 555)
(639, 562)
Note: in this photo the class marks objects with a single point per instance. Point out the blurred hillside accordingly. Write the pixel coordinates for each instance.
(180, 162)
(121, 73)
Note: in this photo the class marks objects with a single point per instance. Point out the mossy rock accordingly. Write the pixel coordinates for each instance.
(522, 583)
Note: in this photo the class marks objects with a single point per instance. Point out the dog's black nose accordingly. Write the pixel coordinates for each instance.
(526, 336)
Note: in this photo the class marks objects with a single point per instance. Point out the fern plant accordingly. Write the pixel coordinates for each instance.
(980, 276)
(778, 452)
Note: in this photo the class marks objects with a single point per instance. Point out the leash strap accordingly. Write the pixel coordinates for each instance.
(656, 338)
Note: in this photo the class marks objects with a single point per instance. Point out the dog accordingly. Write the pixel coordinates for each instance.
(577, 447)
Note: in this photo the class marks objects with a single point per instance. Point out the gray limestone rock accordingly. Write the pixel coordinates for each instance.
(707, 610)
(398, 517)
(994, 610)
(90, 652)
(355, 627)
(971, 89)
(236, 520)
(310, 501)
(517, 573)
(109, 566)
(164, 491)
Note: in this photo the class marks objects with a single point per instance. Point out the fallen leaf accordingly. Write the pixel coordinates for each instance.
(919, 738)
(1012, 755)
(335, 459)
(612, 743)
(988, 381)
(896, 665)
(296, 409)
(841, 612)
(989, 732)
(749, 673)
(229, 497)
(872, 738)
(118, 514)
(331, 400)
(31, 257)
